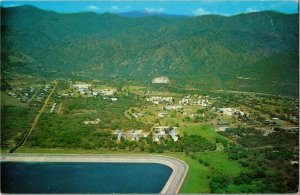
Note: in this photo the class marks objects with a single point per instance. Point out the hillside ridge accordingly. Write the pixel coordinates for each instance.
(207, 51)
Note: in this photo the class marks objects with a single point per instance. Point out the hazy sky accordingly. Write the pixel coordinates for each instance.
(191, 8)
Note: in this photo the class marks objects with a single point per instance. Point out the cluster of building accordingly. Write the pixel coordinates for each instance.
(11, 93)
(232, 112)
(157, 133)
(46, 88)
(133, 135)
(187, 100)
(172, 107)
(21, 94)
(86, 89)
(195, 115)
(24, 94)
(42, 94)
(137, 115)
(160, 99)
(163, 132)
(106, 92)
(196, 100)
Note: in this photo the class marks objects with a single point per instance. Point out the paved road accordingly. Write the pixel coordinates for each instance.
(172, 186)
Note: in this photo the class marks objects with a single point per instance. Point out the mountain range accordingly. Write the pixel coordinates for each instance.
(250, 52)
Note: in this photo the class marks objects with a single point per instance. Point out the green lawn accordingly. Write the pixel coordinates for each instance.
(220, 163)
(206, 131)
(10, 101)
(197, 179)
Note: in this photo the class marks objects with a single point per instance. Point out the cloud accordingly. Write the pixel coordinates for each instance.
(12, 5)
(200, 11)
(92, 7)
(155, 10)
(114, 8)
(251, 10)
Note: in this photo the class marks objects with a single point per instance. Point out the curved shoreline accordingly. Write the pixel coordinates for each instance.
(173, 185)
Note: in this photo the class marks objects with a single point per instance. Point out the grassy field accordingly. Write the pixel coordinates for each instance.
(15, 118)
(220, 163)
(9, 101)
(206, 131)
(197, 179)
(174, 117)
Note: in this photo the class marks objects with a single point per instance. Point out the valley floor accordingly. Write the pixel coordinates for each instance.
(231, 142)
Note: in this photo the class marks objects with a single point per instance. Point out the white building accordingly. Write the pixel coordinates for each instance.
(196, 115)
(135, 134)
(106, 92)
(114, 99)
(162, 115)
(185, 101)
(53, 107)
(231, 111)
(173, 107)
(162, 80)
(174, 134)
(92, 122)
(161, 132)
(83, 86)
(160, 99)
(119, 133)
(222, 128)
(137, 115)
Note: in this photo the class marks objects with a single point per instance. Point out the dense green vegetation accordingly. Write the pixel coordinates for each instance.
(187, 144)
(68, 129)
(15, 120)
(266, 169)
(210, 51)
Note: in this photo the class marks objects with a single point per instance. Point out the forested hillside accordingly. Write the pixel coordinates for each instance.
(249, 52)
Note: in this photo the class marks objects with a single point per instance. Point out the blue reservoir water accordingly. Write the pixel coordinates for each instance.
(65, 177)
